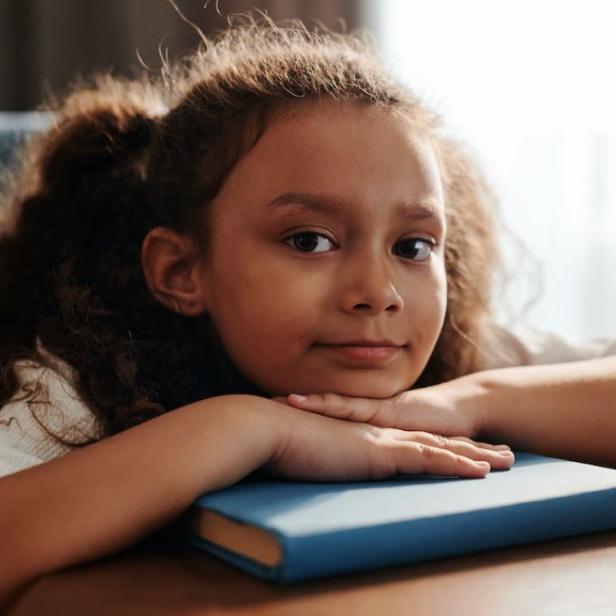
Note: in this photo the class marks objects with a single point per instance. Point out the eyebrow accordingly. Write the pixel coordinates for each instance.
(329, 204)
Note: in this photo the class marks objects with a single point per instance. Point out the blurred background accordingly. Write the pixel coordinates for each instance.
(529, 85)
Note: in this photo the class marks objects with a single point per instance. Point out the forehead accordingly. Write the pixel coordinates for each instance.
(362, 153)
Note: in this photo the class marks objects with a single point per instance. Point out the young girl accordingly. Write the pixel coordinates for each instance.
(274, 217)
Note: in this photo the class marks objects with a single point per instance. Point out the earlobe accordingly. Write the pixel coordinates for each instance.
(172, 271)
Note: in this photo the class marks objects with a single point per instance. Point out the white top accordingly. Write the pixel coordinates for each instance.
(55, 405)
(24, 443)
(528, 347)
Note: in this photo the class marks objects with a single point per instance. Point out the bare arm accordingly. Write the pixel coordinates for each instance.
(97, 500)
(564, 410)
(106, 496)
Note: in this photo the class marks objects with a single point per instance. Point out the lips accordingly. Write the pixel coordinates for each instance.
(364, 343)
(364, 351)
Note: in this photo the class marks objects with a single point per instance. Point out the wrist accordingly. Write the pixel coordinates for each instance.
(249, 429)
(485, 399)
(472, 399)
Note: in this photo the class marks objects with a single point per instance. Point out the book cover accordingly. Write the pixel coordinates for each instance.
(287, 531)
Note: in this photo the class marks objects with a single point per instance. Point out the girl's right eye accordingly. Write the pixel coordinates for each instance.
(310, 242)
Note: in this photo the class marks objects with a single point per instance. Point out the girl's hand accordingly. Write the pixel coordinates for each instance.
(449, 409)
(314, 447)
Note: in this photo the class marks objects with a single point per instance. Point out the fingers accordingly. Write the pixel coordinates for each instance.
(413, 451)
(497, 458)
(342, 407)
(396, 411)
(415, 458)
(480, 444)
(383, 413)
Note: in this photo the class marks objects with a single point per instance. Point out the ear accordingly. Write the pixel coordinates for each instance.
(173, 272)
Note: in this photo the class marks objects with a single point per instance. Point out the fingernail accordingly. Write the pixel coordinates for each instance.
(299, 398)
(505, 453)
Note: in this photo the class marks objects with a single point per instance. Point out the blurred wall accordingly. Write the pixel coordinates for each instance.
(46, 44)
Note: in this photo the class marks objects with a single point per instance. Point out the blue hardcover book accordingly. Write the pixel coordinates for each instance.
(288, 531)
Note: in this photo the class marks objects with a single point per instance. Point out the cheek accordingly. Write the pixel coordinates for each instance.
(430, 308)
(440, 299)
(261, 309)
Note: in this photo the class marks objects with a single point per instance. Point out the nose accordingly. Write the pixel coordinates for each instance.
(369, 287)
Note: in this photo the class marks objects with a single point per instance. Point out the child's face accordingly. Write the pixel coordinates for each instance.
(329, 232)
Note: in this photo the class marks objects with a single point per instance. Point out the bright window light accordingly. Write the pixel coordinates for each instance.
(531, 87)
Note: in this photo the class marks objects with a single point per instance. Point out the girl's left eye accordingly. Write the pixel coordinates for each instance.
(415, 248)
(309, 241)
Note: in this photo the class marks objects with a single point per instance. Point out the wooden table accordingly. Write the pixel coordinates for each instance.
(572, 576)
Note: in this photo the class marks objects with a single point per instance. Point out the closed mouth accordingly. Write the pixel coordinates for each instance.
(363, 343)
(363, 353)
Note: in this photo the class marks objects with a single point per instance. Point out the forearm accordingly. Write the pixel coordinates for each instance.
(108, 495)
(565, 410)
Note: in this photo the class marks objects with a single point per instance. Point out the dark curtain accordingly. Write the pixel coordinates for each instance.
(46, 44)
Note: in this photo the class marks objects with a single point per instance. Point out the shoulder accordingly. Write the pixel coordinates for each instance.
(45, 405)
(525, 346)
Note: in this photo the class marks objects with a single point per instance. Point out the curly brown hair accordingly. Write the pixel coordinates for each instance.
(125, 156)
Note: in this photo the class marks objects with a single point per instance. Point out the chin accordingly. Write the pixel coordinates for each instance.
(368, 390)
(357, 385)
